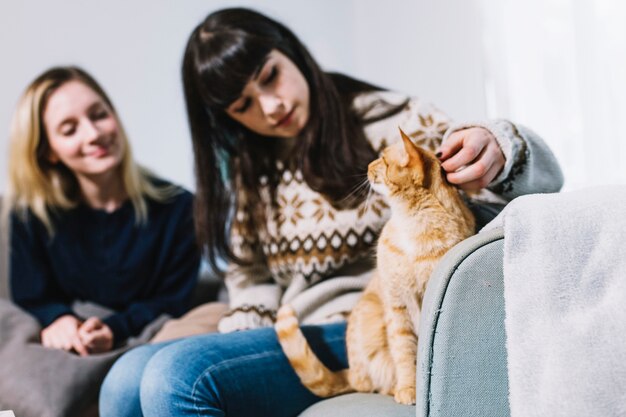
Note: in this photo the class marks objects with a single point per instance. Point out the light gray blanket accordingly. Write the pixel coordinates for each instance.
(565, 302)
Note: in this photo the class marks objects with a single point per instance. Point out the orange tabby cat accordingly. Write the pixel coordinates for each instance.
(428, 217)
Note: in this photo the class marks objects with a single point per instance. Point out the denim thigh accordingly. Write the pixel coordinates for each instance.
(119, 394)
(236, 374)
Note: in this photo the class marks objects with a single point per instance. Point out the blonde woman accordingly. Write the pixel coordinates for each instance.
(88, 223)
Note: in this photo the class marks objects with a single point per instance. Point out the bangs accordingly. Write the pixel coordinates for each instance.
(225, 62)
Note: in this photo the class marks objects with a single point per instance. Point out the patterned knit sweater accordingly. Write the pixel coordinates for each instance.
(318, 258)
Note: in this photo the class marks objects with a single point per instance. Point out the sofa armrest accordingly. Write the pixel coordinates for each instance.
(462, 367)
(461, 362)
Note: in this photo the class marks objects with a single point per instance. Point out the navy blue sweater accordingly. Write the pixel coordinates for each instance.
(138, 270)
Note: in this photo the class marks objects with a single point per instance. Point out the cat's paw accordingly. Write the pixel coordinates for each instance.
(285, 312)
(361, 383)
(405, 395)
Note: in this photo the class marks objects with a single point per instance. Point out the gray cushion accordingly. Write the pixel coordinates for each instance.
(359, 405)
(41, 382)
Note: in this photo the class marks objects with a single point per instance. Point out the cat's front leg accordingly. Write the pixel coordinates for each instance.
(371, 366)
(403, 349)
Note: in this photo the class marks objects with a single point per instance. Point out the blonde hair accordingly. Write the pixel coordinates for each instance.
(37, 185)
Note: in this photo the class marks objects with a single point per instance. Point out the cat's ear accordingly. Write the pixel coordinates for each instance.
(412, 152)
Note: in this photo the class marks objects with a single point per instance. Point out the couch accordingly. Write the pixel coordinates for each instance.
(467, 345)
(565, 251)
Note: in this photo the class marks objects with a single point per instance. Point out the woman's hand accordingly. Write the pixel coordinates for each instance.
(471, 158)
(63, 334)
(96, 336)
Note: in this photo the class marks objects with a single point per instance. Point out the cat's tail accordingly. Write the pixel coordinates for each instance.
(313, 374)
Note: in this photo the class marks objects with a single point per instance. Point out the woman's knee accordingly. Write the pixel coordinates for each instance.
(119, 394)
(206, 375)
(158, 375)
(170, 383)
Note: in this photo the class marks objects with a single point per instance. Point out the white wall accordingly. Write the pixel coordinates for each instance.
(134, 49)
(559, 67)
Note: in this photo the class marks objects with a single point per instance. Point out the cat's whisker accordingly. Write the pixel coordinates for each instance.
(361, 175)
(368, 199)
(358, 188)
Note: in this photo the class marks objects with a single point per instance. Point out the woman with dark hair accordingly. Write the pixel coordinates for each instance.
(281, 151)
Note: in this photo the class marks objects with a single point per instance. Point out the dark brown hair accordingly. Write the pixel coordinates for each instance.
(222, 54)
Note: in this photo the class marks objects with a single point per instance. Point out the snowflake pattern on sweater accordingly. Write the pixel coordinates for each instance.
(301, 254)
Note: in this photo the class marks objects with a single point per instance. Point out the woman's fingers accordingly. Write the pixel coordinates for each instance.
(464, 148)
(96, 336)
(482, 182)
(451, 146)
(79, 347)
(61, 333)
(91, 324)
(470, 173)
(88, 331)
(472, 158)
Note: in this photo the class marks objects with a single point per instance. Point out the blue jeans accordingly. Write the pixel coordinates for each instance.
(236, 374)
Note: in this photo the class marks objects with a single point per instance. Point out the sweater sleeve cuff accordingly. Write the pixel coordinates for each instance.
(246, 317)
(49, 313)
(119, 327)
(504, 132)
